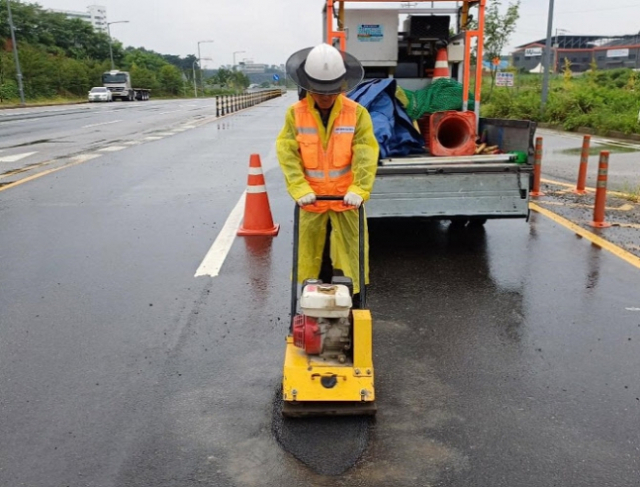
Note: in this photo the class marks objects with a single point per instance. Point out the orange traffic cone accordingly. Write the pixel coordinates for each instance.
(442, 64)
(257, 213)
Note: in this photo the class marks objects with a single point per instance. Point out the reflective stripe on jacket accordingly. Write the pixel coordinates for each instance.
(328, 171)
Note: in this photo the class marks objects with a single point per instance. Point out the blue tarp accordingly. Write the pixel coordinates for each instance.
(393, 128)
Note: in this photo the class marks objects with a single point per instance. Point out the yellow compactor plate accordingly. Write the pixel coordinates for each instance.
(312, 386)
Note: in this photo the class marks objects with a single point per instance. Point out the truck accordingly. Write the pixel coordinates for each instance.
(465, 189)
(120, 86)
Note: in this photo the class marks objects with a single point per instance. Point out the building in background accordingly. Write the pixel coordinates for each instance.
(608, 52)
(96, 15)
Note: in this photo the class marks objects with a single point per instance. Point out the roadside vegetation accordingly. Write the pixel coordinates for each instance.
(603, 101)
(62, 59)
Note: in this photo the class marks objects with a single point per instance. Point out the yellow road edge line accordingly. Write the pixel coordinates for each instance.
(592, 237)
(593, 190)
(44, 173)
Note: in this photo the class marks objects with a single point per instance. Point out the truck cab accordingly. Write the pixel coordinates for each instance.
(120, 86)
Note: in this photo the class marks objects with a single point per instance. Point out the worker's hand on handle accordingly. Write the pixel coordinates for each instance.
(307, 199)
(352, 199)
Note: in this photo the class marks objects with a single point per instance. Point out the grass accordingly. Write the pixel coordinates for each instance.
(42, 101)
(602, 100)
(631, 193)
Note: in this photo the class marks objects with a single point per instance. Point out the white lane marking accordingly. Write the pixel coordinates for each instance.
(172, 111)
(113, 148)
(217, 254)
(165, 134)
(152, 138)
(24, 121)
(632, 309)
(16, 157)
(99, 124)
(132, 142)
(84, 158)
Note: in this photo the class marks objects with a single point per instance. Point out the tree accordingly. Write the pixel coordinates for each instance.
(497, 31)
(170, 79)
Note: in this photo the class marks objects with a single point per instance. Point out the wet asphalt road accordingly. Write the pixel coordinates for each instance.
(506, 356)
(561, 159)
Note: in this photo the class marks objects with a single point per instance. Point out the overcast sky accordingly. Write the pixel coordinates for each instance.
(269, 31)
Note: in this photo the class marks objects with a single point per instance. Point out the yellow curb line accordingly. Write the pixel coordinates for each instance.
(626, 225)
(625, 207)
(592, 237)
(567, 185)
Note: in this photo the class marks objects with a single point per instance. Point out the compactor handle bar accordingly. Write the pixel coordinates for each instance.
(296, 238)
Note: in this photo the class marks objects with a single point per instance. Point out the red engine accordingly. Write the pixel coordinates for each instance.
(307, 335)
(329, 338)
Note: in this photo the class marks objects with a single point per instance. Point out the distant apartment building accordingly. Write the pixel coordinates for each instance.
(608, 52)
(96, 15)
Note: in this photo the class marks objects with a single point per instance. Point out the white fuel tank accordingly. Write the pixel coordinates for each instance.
(326, 301)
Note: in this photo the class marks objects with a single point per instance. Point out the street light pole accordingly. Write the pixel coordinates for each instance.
(195, 86)
(547, 59)
(234, 57)
(200, 63)
(109, 33)
(15, 54)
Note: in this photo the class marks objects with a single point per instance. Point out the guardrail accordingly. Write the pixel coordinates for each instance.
(226, 104)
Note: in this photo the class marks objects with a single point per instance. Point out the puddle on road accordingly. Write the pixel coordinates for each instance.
(595, 149)
(328, 446)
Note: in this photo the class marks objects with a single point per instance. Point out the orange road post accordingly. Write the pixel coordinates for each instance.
(584, 162)
(537, 169)
(601, 192)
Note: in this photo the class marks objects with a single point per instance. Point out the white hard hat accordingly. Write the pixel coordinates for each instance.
(324, 63)
(325, 70)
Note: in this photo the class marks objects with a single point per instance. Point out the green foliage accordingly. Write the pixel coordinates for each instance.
(567, 74)
(600, 100)
(498, 29)
(63, 57)
(170, 79)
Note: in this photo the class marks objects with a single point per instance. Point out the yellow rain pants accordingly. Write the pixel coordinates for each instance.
(343, 240)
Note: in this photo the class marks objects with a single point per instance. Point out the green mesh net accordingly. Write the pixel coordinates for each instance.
(441, 94)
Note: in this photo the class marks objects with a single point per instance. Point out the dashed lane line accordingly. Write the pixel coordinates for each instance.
(592, 237)
(100, 124)
(212, 262)
(152, 138)
(74, 162)
(17, 157)
(113, 148)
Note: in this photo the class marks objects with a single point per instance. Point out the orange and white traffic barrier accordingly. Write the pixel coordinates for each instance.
(537, 169)
(442, 64)
(257, 212)
(601, 192)
(584, 162)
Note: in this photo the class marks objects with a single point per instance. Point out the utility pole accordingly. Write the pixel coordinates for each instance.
(547, 59)
(200, 64)
(15, 54)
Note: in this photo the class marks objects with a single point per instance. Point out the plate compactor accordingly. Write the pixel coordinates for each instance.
(328, 366)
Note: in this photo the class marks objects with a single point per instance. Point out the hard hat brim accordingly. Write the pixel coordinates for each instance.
(352, 78)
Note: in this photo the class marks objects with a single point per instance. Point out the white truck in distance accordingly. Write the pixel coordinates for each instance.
(119, 84)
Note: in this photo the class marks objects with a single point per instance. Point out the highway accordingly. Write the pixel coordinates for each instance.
(505, 356)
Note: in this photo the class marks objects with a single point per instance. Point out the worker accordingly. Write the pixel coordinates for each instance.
(327, 147)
